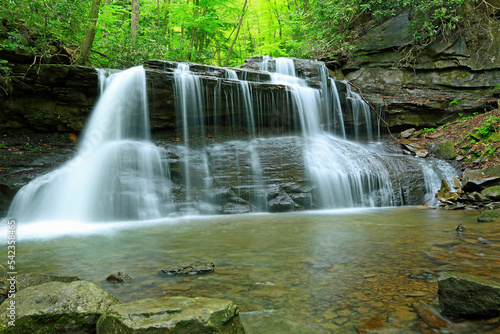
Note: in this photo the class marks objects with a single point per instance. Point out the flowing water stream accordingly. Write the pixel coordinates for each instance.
(124, 203)
(309, 272)
(118, 174)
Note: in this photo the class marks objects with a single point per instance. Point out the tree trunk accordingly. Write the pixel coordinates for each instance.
(88, 39)
(166, 20)
(237, 32)
(134, 24)
(104, 25)
(196, 4)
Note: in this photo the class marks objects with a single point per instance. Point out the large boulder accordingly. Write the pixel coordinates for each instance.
(489, 216)
(56, 307)
(492, 193)
(479, 184)
(492, 170)
(445, 195)
(180, 315)
(281, 203)
(24, 281)
(445, 149)
(466, 296)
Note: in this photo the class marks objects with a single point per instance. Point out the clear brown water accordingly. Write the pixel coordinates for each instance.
(308, 272)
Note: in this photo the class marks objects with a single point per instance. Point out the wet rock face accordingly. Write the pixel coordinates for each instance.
(304, 68)
(7, 193)
(48, 98)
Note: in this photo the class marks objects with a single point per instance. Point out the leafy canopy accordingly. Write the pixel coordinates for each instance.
(203, 30)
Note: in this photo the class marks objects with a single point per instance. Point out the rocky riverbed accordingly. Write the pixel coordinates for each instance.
(471, 143)
(360, 271)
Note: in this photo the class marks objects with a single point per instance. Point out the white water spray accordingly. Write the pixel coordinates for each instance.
(116, 174)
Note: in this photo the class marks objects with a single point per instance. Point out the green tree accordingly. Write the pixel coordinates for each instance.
(123, 33)
(88, 38)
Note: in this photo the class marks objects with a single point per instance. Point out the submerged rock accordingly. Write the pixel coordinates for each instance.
(431, 317)
(466, 296)
(57, 307)
(172, 315)
(191, 269)
(118, 277)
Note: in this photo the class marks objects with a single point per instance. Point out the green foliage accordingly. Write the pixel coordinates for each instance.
(202, 30)
(39, 26)
(4, 68)
(427, 130)
(464, 118)
(489, 152)
(488, 126)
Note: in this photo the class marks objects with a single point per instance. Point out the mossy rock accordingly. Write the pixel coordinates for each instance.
(492, 170)
(445, 150)
(492, 192)
(494, 138)
(466, 296)
(489, 216)
(24, 281)
(56, 307)
(180, 315)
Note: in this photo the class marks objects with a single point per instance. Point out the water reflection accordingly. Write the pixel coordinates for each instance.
(306, 272)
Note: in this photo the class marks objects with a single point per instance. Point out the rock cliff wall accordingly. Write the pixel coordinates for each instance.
(424, 86)
(58, 98)
(47, 97)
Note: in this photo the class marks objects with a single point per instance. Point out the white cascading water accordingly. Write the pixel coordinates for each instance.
(345, 174)
(116, 174)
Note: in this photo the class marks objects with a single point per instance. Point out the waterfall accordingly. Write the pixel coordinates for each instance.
(277, 143)
(239, 108)
(361, 114)
(116, 174)
(345, 174)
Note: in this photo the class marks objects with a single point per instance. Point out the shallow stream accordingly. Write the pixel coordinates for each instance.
(342, 271)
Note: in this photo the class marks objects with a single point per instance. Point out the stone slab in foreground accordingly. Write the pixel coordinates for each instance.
(466, 296)
(180, 315)
(56, 307)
